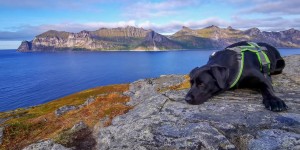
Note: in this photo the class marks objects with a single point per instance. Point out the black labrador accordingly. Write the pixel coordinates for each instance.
(215, 77)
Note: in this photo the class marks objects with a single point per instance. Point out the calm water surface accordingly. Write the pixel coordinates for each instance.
(28, 79)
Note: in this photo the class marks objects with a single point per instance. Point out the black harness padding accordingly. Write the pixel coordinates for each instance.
(262, 57)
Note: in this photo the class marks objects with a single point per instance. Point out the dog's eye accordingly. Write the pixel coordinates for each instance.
(200, 84)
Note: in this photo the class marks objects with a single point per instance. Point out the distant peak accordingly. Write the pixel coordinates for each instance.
(54, 33)
(131, 27)
(254, 29)
(84, 31)
(229, 28)
(213, 26)
(292, 29)
(125, 27)
(51, 31)
(185, 27)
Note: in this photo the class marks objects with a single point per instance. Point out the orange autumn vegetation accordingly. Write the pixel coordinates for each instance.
(184, 85)
(27, 126)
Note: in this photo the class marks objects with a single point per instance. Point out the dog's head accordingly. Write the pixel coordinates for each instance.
(205, 82)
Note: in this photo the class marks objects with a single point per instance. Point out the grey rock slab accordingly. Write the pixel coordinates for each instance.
(292, 69)
(275, 139)
(146, 88)
(64, 109)
(151, 107)
(46, 145)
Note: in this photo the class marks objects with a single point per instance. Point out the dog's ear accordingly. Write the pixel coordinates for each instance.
(221, 74)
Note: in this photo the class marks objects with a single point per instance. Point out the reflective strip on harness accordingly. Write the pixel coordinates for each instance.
(261, 56)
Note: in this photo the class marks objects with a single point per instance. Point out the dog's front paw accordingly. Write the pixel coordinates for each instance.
(275, 104)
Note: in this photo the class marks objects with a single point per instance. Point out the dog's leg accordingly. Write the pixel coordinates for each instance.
(271, 101)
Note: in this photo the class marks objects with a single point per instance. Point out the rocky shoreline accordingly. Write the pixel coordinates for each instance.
(161, 119)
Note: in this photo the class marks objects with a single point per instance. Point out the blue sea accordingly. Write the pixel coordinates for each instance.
(28, 79)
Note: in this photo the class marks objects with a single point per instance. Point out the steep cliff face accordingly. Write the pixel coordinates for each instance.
(121, 32)
(129, 38)
(103, 39)
(155, 41)
(25, 46)
(50, 41)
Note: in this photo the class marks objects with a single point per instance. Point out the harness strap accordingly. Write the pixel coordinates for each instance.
(261, 55)
(264, 60)
(240, 59)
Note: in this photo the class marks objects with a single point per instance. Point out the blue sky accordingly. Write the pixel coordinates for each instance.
(22, 20)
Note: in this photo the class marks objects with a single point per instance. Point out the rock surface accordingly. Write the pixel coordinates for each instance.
(79, 126)
(161, 119)
(46, 145)
(25, 46)
(64, 109)
(1, 134)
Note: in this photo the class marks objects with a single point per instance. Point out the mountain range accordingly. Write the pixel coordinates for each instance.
(133, 38)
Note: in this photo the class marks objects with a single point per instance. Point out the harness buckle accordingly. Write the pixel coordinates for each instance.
(265, 68)
(239, 56)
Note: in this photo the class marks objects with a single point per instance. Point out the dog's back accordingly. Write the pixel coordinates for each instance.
(277, 62)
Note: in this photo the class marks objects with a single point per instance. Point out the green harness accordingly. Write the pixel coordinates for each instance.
(261, 56)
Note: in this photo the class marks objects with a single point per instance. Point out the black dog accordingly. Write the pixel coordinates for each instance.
(223, 68)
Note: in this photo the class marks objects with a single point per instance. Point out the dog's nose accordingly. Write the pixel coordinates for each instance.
(188, 99)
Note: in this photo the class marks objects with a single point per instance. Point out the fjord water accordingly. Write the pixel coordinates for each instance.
(28, 79)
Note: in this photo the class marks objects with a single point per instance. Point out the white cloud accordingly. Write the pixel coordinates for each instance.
(27, 32)
(287, 7)
(266, 24)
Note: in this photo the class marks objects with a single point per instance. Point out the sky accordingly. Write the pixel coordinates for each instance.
(24, 19)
